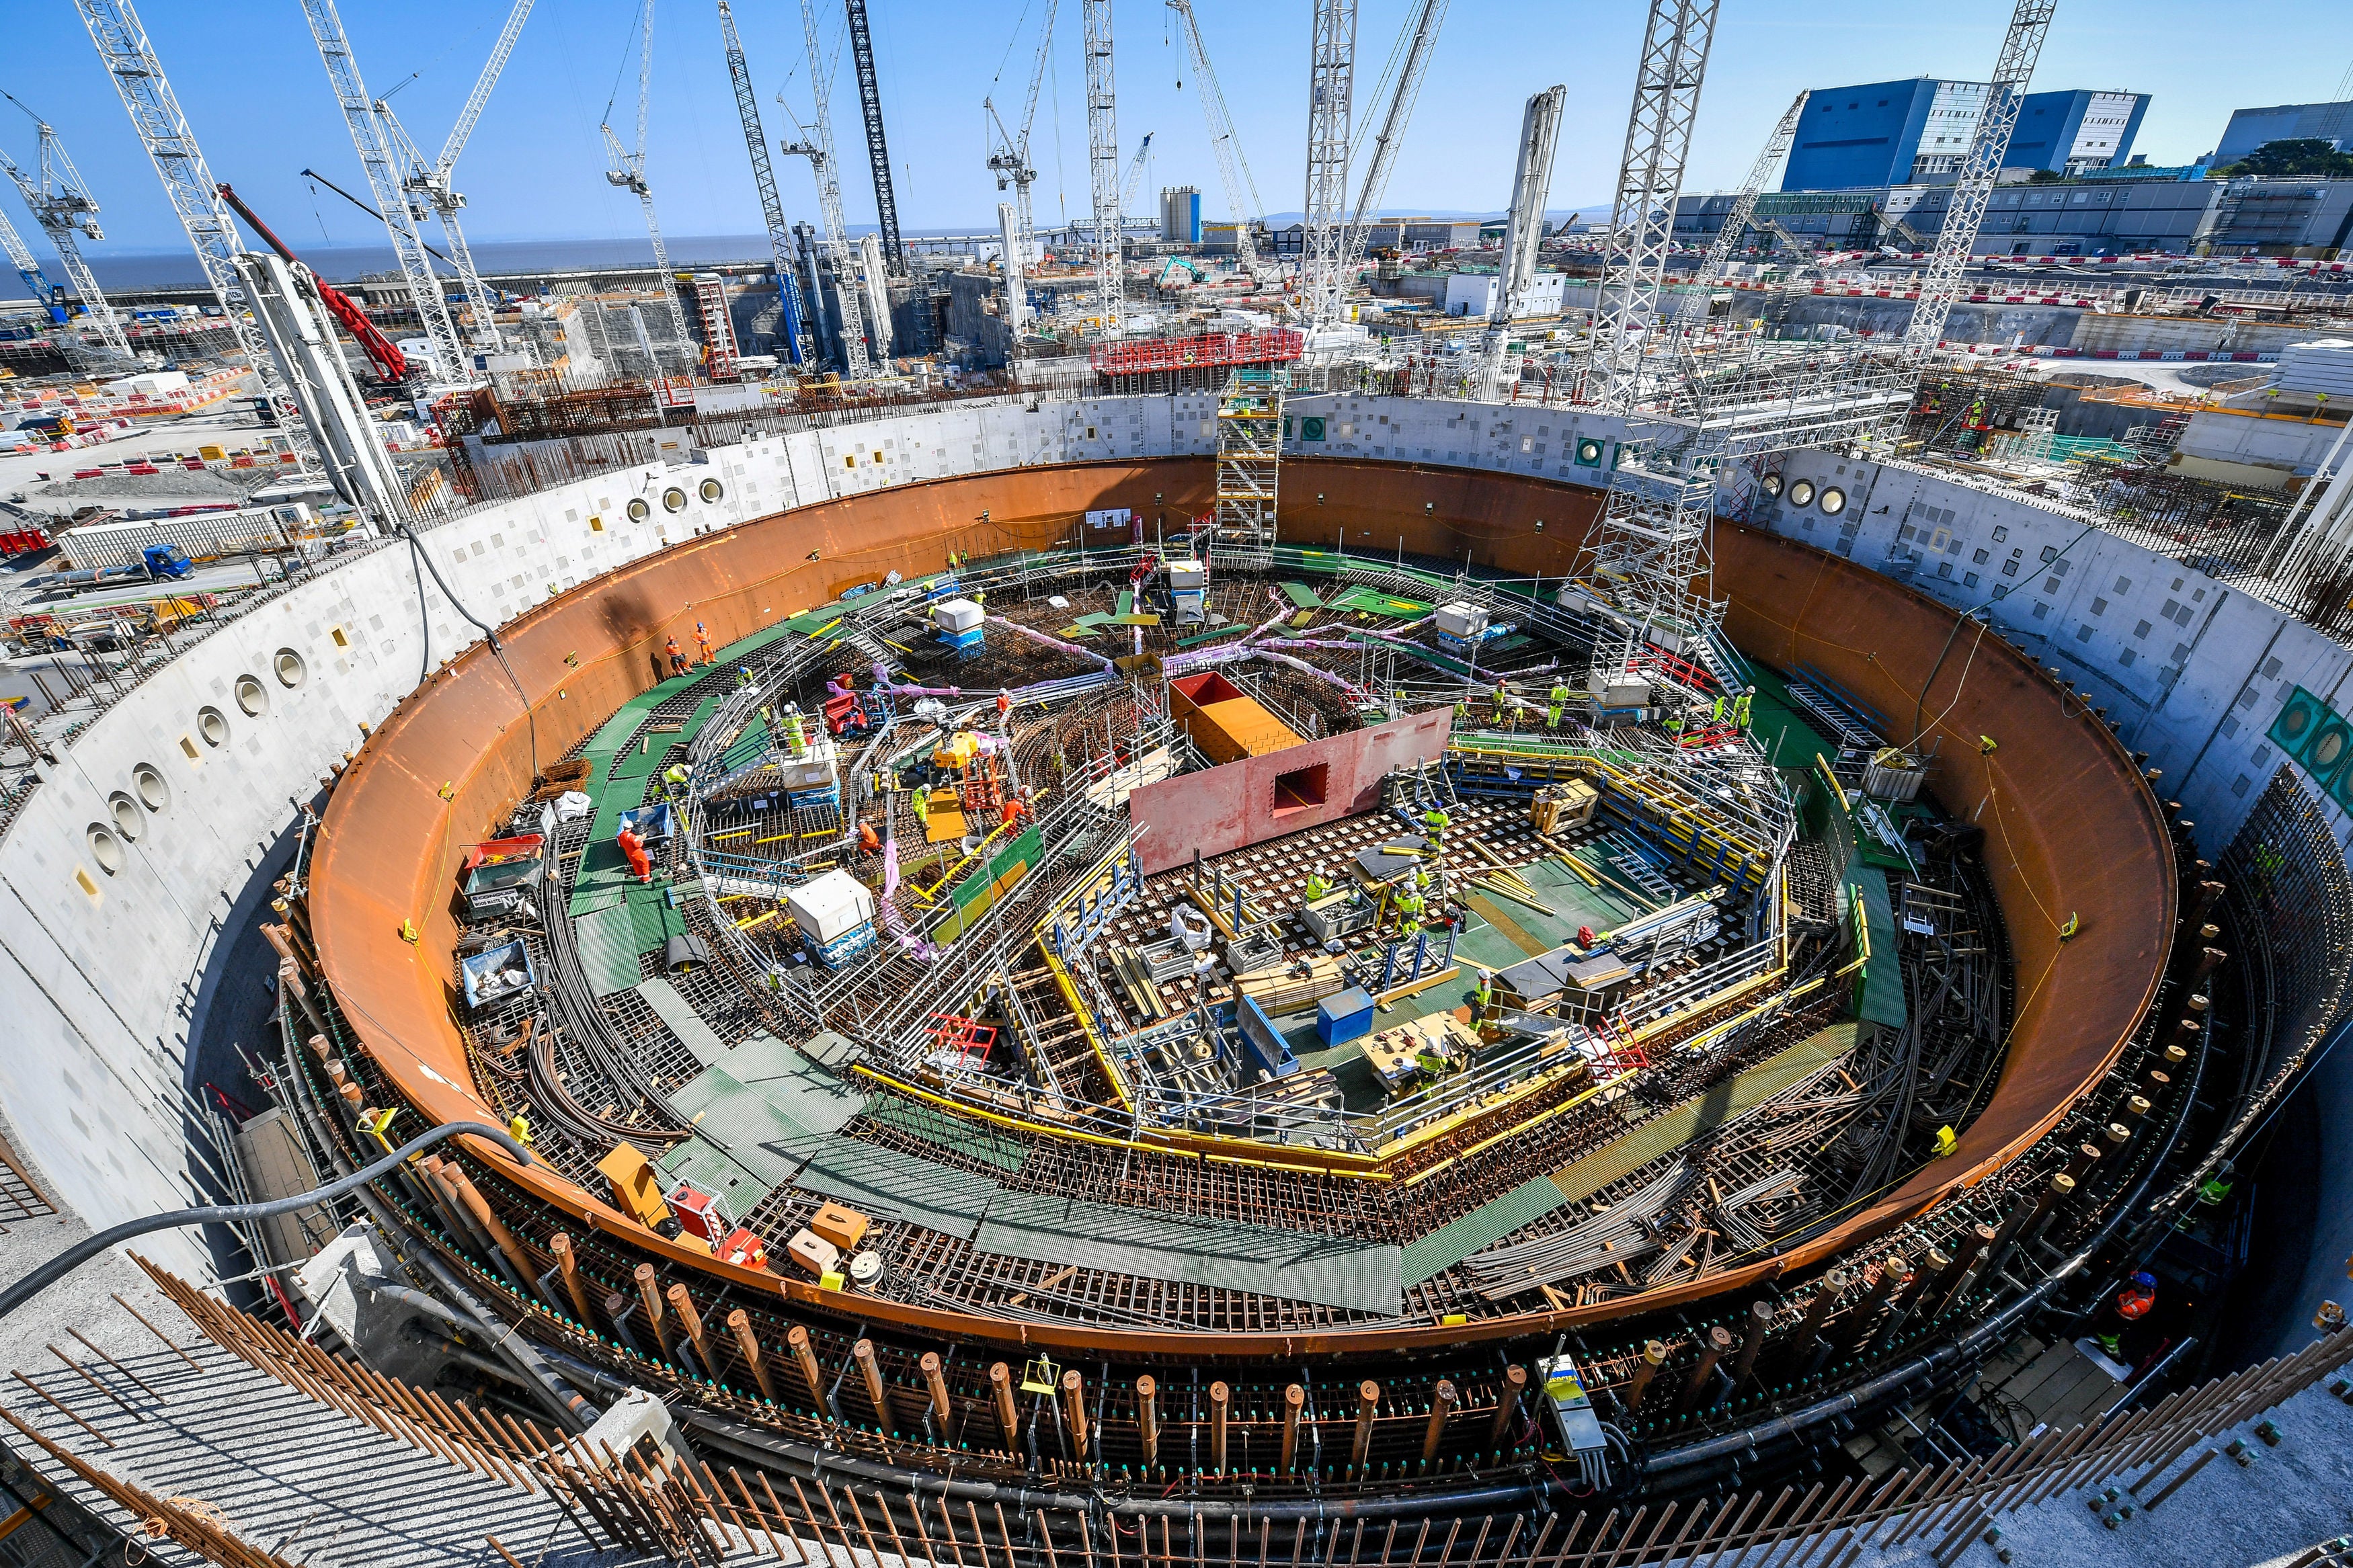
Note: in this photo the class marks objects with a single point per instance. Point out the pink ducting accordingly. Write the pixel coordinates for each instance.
(1035, 636)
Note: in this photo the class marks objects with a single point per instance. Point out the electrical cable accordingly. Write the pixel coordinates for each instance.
(489, 634)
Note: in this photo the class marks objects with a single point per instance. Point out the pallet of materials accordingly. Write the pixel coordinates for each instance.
(1293, 987)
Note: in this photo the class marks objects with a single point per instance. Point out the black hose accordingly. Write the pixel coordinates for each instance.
(489, 634)
(82, 1251)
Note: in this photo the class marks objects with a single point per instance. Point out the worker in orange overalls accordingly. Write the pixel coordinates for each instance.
(676, 660)
(1004, 709)
(869, 841)
(1016, 809)
(2131, 1305)
(633, 850)
(703, 654)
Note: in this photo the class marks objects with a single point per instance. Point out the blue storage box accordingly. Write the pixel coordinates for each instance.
(1344, 1016)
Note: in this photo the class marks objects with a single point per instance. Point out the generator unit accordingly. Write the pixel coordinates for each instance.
(1188, 590)
(958, 624)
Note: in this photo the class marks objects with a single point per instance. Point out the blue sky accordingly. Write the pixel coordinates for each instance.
(255, 91)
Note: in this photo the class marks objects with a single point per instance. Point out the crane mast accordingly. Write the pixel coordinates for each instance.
(1010, 162)
(1102, 168)
(120, 40)
(376, 158)
(1331, 78)
(819, 151)
(1744, 203)
(36, 282)
(61, 204)
(1233, 170)
(878, 152)
(764, 176)
(1940, 287)
(1531, 182)
(628, 172)
(1135, 174)
(1427, 18)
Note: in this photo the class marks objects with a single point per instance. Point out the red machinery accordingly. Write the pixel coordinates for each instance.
(389, 360)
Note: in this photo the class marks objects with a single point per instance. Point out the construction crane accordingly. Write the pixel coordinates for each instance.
(427, 180)
(1009, 160)
(61, 204)
(390, 362)
(878, 153)
(628, 172)
(376, 157)
(1744, 202)
(1673, 62)
(1233, 170)
(1422, 36)
(1331, 78)
(36, 282)
(1942, 280)
(1135, 174)
(1531, 183)
(817, 146)
(764, 176)
(120, 40)
(1102, 168)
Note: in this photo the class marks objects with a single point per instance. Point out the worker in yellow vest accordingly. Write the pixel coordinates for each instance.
(1558, 699)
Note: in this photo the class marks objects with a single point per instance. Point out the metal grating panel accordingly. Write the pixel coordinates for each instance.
(883, 1181)
(1291, 1265)
(1489, 1223)
(974, 1140)
(608, 949)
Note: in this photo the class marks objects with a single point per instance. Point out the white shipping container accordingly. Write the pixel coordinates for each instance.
(955, 615)
(1461, 620)
(201, 534)
(829, 906)
(2322, 366)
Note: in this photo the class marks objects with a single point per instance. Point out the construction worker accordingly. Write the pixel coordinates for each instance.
(1674, 725)
(869, 841)
(703, 654)
(1317, 888)
(633, 850)
(2216, 1187)
(1436, 822)
(1485, 996)
(1015, 809)
(1004, 709)
(674, 780)
(1716, 715)
(1408, 906)
(1559, 700)
(1502, 705)
(676, 660)
(2131, 1305)
(742, 675)
(1740, 708)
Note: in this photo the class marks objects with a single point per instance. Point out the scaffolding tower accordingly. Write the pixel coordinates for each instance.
(1250, 453)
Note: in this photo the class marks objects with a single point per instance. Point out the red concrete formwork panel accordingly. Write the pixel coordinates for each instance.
(2071, 829)
(1222, 809)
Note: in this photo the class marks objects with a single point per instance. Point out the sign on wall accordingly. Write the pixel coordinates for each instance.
(1111, 517)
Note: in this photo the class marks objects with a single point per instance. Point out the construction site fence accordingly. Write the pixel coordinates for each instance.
(738, 1489)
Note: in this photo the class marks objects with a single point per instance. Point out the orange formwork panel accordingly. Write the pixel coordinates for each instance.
(1225, 722)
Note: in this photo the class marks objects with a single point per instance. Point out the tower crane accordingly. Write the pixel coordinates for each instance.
(1424, 26)
(61, 204)
(376, 157)
(1233, 169)
(1940, 283)
(427, 182)
(1102, 166)
(122, 45)
(1135, 174)
(1331, 78)
(36, 282)
(764, 176)
(817, 146)
(628, 172)
(1009, 161)
(1744, 203)
(878, 153)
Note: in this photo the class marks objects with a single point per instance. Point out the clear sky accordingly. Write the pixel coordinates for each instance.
(257, 95)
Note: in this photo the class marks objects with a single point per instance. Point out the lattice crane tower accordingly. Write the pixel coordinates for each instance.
(628, 172)
(1233, 169)
(1744, 203)
(764, 176)
(819, 151)
(121, 39)
(1422, 39)
(1940, 287)
(1102, 168)
(878, 150)
(1331, 78)
(61, 204)
(1250, 452)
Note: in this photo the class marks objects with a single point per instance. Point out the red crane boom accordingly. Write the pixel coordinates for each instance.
(389, 360)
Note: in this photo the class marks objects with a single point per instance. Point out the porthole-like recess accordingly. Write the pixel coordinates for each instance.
(711, 489)
(638, 509)
(673, 500)
(288, 667)
(154, 790)
(213, 725)
(129, 820)
(1833, 501)
(1772, 484)
(251, 696)
(1802, 492)
(105, 848)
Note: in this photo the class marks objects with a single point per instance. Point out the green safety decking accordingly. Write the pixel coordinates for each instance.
(1483, 1227)
(884, 1182)
(744, 1147)
(1301, 596)
(608, 948)
(1879, 990)
(1361, 600)
(1665, 1134)
(955, 1134)
(1330, 1272)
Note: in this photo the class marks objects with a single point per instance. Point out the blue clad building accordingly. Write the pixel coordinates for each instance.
(1907, 133)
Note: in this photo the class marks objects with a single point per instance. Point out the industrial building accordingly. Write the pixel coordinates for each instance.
(1404, 892)
(2251, 128)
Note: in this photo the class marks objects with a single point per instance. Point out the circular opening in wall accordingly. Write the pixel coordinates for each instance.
(154, 790)
(128, 819)
(251, 696)
(1802, 492)
(2330, 749)
(1772, 484)
(673, 500)
(105, 847)
(711, 489)
(213, 725)
(287, 665)
(1833, 501)
(638, 509)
